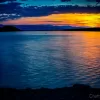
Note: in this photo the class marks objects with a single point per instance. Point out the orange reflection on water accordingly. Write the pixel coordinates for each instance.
(72, 19)
(91, 54)
(92, 45)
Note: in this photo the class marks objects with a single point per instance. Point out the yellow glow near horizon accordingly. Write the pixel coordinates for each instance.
(72, 19)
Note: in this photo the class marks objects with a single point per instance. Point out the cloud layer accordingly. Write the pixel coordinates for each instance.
(14, 10)
(80, 20)
(6, 0)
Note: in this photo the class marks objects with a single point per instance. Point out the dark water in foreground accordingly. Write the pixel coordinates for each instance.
(55, 59)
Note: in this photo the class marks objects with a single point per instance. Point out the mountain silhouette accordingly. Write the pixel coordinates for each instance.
(8, 29)
(84, 29)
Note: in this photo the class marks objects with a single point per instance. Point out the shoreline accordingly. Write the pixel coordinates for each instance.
(14, 29)
(55, 30)
(76, 92)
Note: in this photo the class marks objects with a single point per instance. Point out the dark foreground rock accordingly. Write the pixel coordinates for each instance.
(77, 92)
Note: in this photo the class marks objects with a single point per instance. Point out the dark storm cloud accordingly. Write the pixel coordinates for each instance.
(6, 0)
(65, 0)
(9, 11)
(15, 10)
(10, 7)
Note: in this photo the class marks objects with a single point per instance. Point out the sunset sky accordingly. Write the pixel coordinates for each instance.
(49, 12)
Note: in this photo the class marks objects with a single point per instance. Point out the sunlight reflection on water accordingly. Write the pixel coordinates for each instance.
(55, 59)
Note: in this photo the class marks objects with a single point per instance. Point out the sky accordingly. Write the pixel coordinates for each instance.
(48, 2)
(53, 12)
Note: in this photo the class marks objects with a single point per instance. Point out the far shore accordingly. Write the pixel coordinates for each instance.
(14, 29)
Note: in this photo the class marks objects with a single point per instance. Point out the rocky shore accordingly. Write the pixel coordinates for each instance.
(77, 92)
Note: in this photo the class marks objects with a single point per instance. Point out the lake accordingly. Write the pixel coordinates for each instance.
(49, 59)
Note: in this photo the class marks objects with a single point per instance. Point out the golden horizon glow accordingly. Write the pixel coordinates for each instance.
(71, 19)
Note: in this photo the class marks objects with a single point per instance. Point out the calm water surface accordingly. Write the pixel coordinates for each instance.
(49, 59)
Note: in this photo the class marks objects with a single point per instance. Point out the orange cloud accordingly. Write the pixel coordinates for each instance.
(73, 19)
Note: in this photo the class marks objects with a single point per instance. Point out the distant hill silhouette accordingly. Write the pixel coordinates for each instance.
(83, 29)
(8, 29)
(54, 28)
(42, 27)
